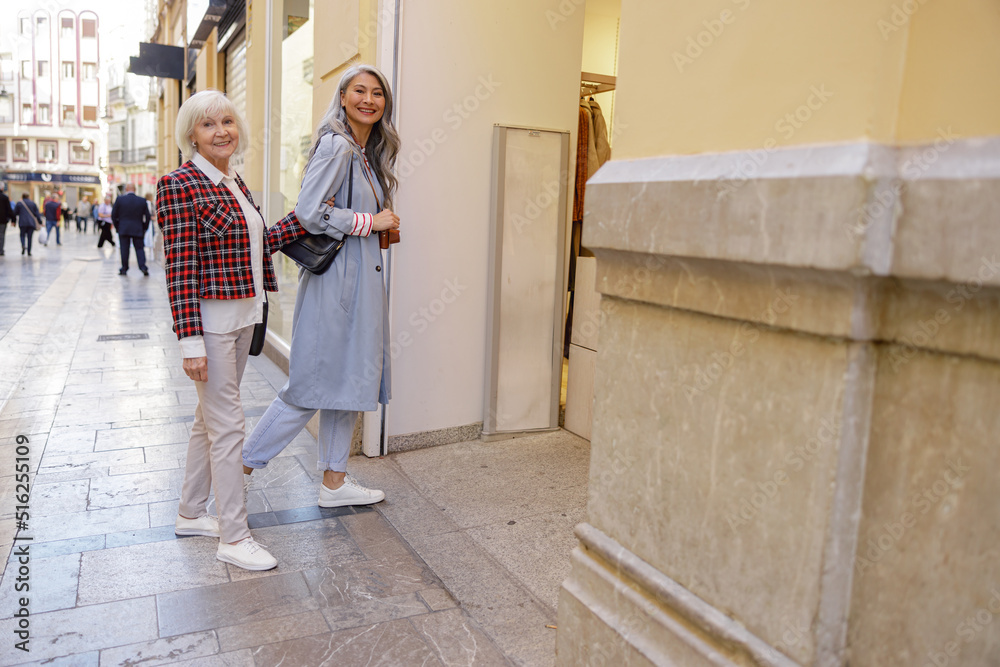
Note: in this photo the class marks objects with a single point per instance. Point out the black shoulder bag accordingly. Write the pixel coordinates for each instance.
(316, 252)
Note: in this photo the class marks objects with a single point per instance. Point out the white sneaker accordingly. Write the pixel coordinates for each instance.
(246, 487)
(351, 493)
(207, 526)
(246, 554)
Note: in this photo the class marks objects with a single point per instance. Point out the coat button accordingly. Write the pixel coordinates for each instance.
(378, 268)
(326, 216)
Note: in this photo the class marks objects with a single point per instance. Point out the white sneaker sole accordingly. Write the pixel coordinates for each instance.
(348, 503)
(245, 566)
(194, 532)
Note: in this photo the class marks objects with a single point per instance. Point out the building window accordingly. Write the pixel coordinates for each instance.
(3, 150)
(48, 151)
(81, 152)
(69, 114)
(89, 71)
(68, 70)
(6, 108)
(43, 68)
(26, 69)
(6, 67)
(44, 115)
(41, 26)
(89, 114)
(25, 26)
(27, 115)
(88, 27)
(20, 149)
(66, 26)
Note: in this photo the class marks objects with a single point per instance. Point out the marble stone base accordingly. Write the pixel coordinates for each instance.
(796, 409)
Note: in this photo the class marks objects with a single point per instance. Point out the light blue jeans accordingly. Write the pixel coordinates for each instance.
(49, 224)
(282, 422)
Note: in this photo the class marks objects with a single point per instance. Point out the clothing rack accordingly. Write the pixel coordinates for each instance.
(591, 84)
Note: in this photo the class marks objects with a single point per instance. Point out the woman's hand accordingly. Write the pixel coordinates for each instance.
(385, 220)
(196, 368)
(329, 202)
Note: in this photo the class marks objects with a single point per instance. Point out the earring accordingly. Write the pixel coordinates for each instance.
(194, 143)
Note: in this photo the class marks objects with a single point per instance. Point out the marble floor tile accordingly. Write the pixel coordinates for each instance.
(20, 405)
(235, 603)
(93, 522)
(166, 651)
(284, 628)
(65, 632)
(176, 452)
(72, 546)
(375, 536)
(349, 583)
(303, 546)
(69, 440)
(89, 659)
(149, 569)
(383, 645)
(373, 611)
(146, 487)
(163, 514)
(137, 468)
(456, 640)
(437, 599)
(241, 658)
(52, 583)
(31, 423)
(63, 462)
(61, 498)
(141, 436)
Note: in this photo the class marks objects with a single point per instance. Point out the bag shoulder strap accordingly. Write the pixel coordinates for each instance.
(350, 182)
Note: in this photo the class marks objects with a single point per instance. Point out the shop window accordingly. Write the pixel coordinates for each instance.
(3, 150)
(90, 114)
(41, 26)
(27, 114)
(48, 151)
(43, 68)
(44, 114)
(68, 70)
(6, 67)
(19, 148)
(88, 27)
(89, 71)
(81, 152)
(68, 114)
(6, 108)
(66, 26)
(26, 69)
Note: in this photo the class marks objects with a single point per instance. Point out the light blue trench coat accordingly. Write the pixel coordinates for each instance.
(340, 328)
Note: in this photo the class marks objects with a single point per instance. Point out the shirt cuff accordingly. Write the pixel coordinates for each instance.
(363, 224)
(193, 347)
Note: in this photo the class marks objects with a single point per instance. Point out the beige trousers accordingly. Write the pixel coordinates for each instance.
(214, 451)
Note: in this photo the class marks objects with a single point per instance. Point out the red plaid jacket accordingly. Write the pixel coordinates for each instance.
(207, 244)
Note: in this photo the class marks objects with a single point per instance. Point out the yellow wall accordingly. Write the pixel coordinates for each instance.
(786, 72)
(952, 71)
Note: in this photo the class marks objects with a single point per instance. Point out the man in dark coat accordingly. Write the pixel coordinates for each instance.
(53, 212)
(130, 215)
(6, 215)
(27, 217)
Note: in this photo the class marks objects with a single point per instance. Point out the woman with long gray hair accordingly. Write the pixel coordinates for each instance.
(339, 362)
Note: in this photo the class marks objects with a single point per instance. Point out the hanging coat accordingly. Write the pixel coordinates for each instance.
(340, 329)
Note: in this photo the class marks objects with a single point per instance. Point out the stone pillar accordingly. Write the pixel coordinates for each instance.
(797, 395)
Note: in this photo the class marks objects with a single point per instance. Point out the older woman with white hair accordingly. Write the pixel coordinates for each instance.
(218, 265)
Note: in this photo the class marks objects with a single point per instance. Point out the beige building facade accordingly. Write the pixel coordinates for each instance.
(793, 366)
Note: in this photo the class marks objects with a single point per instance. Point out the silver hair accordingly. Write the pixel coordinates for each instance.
(205, 104)
(383, 142)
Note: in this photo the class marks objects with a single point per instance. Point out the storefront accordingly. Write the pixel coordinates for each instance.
(71, 186)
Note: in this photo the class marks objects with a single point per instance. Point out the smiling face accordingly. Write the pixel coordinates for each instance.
(364, 100)
(216, 138)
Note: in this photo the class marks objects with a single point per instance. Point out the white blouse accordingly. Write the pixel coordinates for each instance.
(226, 315)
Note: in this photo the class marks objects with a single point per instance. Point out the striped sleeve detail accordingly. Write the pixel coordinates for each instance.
(363, 224)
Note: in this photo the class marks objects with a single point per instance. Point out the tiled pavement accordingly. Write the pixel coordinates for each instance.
(460, 564)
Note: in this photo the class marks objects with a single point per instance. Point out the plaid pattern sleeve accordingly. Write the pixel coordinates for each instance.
(284, 232)
(175, 211)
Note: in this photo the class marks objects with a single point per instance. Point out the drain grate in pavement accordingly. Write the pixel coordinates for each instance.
(103, 339)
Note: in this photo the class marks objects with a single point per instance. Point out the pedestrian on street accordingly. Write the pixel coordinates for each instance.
(339, 361)
(83, 214)
(147, 240)
(67, 215)
(53, 212)
(103, 218)
(28, 218)
(218, 264)
(130, 215)
(6, 215)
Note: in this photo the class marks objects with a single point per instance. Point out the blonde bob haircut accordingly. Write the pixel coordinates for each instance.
(205, 104)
